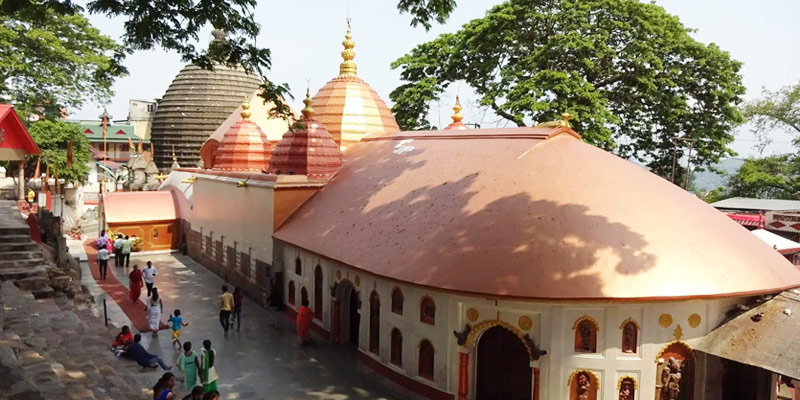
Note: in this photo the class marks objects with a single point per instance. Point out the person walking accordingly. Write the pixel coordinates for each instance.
(304, 318)
(102, 241)
(177, 324)
(225, 308)
(136, 352)
(208, 370)
(163, 388)
(153, 308)
(237, 308)
(125, 248)
(118, 250)
(102, 260)
(189, 363)
(149, 273)
(135, 280)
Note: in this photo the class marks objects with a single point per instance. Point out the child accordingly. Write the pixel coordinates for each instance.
(177, 323)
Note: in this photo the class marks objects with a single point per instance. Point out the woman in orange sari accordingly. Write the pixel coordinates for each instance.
(304, 318)
(136, 282)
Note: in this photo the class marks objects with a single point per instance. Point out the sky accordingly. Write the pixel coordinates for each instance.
(306, 43)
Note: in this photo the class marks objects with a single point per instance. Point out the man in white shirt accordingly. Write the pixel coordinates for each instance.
(118, 250)
(102, 259)
(149, 272)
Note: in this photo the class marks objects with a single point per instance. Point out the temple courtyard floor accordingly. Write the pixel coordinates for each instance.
(263, 360)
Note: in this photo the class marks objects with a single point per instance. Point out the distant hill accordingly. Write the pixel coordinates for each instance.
(708, 180)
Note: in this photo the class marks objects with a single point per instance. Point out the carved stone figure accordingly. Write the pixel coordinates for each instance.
(629, 338)
(582, 386)
(671, 380)
(586, 333)
(141, 174)
(626, 389)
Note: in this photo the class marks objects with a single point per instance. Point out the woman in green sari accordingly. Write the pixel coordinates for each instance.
(208, 371)
(189, 363)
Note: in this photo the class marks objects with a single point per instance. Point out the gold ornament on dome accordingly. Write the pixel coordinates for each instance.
(525, 323)
(472, 314)
(694, 320)
(357, 280)
(665, 320)
(348, 66)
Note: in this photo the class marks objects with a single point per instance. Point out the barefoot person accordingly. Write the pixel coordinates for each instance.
(225, 308)
(102, 260)
(208, 369)
(237, 308)
(189, 363)
(177, 325)
(163, 388)
(136, 283)
(304, 318)
(149, 273)
(153, 308)
(137, 353)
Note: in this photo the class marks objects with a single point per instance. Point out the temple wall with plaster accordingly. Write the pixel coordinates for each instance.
(551, 326)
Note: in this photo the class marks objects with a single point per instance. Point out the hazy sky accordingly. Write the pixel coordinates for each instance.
(306, 42)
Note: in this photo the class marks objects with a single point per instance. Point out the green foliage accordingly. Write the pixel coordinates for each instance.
(773, 177)
(776, 110)
(424, 11)
(628, 71)
(52, 59)
(52, 137)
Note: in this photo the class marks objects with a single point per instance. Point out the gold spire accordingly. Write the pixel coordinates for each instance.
(348, 66)
(174, 157)
(308, 111)
(245, 109)
(457, 111)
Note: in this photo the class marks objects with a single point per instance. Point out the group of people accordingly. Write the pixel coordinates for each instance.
(121, 246)
(230, 309)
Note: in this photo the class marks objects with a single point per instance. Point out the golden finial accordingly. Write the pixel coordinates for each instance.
(565, 118)
(559, 123)
(348, 67)
(457, 111)
(245, 109)
(308, 111)
(174, 157)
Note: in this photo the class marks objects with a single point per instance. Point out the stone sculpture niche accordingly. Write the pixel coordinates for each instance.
(142, 173)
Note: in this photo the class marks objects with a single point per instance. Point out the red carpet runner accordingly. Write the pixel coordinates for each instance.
(118, 291)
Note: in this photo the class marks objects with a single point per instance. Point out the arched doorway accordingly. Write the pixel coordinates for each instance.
(675, 372)
(346, 312)
(318, 292)
(354, 320)
(503, 367)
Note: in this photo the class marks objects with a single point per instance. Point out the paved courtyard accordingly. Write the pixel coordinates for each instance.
(263, 361)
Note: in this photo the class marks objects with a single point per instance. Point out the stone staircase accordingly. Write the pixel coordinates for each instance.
(50, 349)
(22, 260)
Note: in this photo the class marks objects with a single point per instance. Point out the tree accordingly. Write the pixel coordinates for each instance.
(776, 110)
(53, 138)
(773, 177)
(54, 60)
(629, 72)
(174, 25)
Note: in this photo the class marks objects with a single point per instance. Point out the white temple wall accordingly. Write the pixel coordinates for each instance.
(241, 217)
(551, 328)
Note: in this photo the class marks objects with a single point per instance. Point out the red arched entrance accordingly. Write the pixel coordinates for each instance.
(503, 367)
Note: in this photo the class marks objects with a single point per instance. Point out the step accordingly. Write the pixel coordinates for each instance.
(14, 230)
(21, 272)
(23, 238)
(20, 255)
(20, 246)
(29, 262)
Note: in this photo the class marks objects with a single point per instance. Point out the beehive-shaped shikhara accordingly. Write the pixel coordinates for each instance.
(348, 107)
(244, 147)
(306, 149)
(195, 104)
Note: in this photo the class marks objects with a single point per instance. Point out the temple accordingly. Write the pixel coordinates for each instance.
(514, 263)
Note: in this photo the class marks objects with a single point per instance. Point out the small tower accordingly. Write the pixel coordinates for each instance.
(244, 147)
(175, 164)
(457, 117)
(307, 150)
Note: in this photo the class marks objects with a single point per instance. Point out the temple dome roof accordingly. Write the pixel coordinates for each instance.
(307, 149)
(244, 147)
(531, 213)
(348, 107)
(195, 104)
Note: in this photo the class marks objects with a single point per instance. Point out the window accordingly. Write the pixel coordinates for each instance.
(396, 356)
(318, 292)
(427, 311)
(291, 293)
(426, 359)
(585, 335)
(629, 335)
(298, 267)
(304, 297)
(374, 322)
(397, 301)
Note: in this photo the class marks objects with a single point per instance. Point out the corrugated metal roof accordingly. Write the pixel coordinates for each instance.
(767, 336)
(745, 203)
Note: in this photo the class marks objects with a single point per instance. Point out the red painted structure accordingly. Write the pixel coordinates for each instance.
(308, 149)
(244, 147)
(14, 138)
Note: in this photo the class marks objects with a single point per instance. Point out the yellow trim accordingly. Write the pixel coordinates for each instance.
(664, 348)
(622, 378)
(483, 326)
(622, 325)
(585, 318)
(590, 372)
